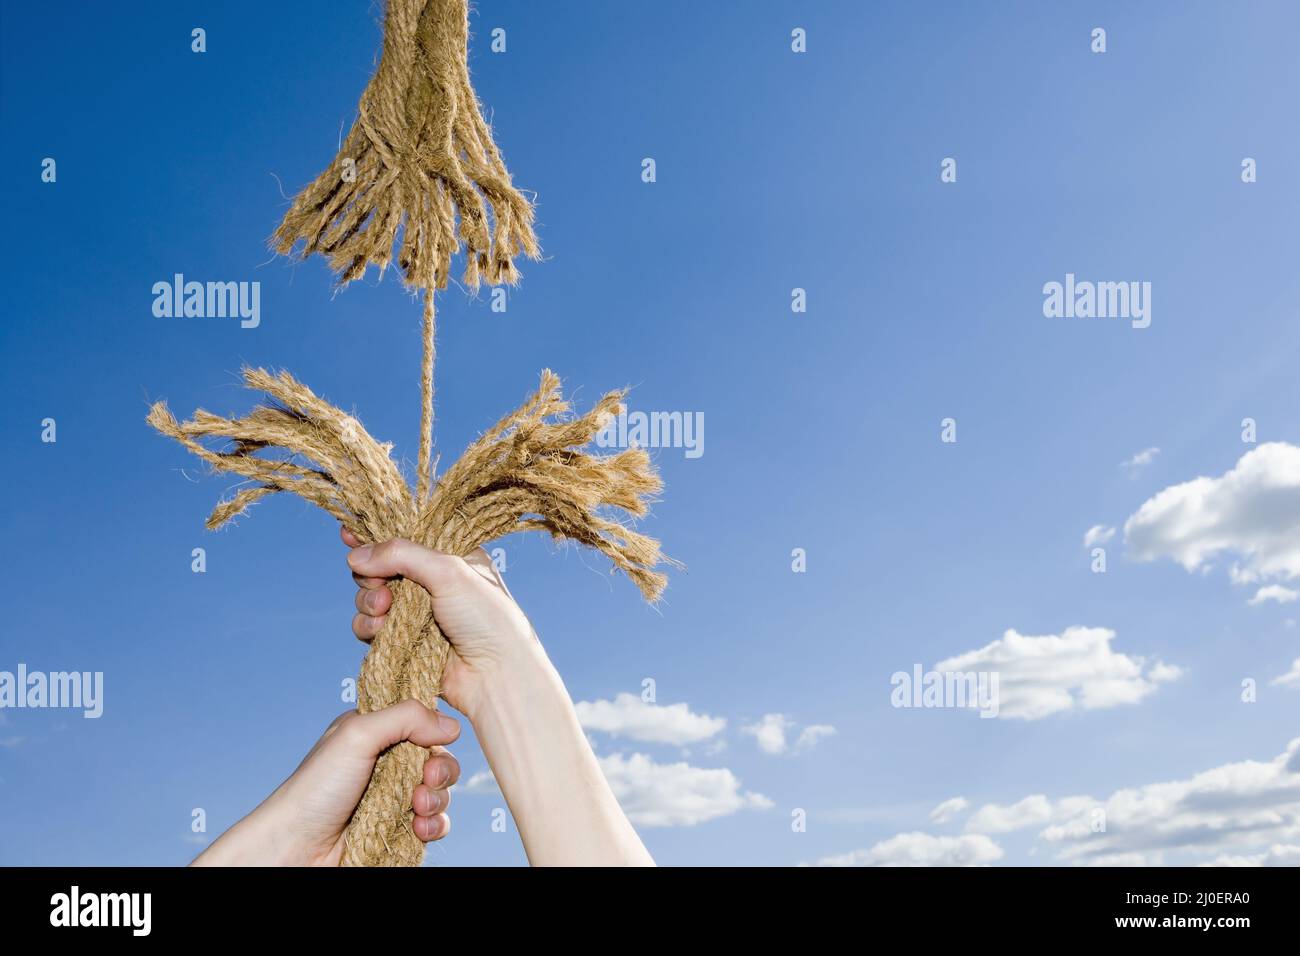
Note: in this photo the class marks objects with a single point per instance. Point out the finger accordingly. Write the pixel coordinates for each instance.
(366, 627)
(441, 771)
(352, 541)
(432, 570)
(427, 802)
(429, 829)
(374, 603)
(410, 720)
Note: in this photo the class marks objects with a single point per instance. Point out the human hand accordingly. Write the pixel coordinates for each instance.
(486, 629)
(302, 822)
(499, 677)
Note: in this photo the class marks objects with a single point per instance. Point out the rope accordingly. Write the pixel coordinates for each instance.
(424, 461)
(420, 162)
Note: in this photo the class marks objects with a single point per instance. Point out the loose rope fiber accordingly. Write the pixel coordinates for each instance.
(419, 170)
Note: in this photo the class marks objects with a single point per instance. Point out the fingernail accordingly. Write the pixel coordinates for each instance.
(449, 725)
(372, 600)
(358, 555)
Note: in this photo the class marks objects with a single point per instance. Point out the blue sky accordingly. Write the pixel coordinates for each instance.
(775, 170)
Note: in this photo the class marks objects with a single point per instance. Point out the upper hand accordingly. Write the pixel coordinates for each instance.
(471, 605)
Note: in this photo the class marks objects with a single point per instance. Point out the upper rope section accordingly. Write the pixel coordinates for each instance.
(419, 161)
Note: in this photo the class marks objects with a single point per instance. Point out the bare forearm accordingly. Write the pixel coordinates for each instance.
(565, 811)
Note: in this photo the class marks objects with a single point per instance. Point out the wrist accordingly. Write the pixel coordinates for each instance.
(485, 690)
(475, 684)
(254, 841)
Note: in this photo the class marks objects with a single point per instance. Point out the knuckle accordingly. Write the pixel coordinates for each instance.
(411, 709)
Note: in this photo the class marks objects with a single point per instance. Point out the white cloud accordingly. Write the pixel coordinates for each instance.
(809, 736)
(922, 849)
(1274, 592)
(676, 794)
(627, 715)
(658, 795)
(1276, 855)
(1140, 460)
(1097, 534)
(1244, 807)
(481, 782)
(1238, 814)
(948, 809)
(1251, 512)
(993, 818)
(1038, 676)
(1291, 678)
(773, 732)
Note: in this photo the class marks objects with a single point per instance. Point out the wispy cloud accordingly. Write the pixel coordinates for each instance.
(1291, 678)
(481, 782)
(1139, 461)
(1237, 808)
(1097, 534)
(948, 809)
(922, 849)
(993, 818)
(1274, 592)
(1276, 855)
(777, 734)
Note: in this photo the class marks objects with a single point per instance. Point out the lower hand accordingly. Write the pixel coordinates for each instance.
(302, 822)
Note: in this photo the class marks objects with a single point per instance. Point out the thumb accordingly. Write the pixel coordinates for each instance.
(410, 720)
(432, 570)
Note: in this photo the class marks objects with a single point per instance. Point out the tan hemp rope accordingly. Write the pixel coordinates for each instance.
(420, 161)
